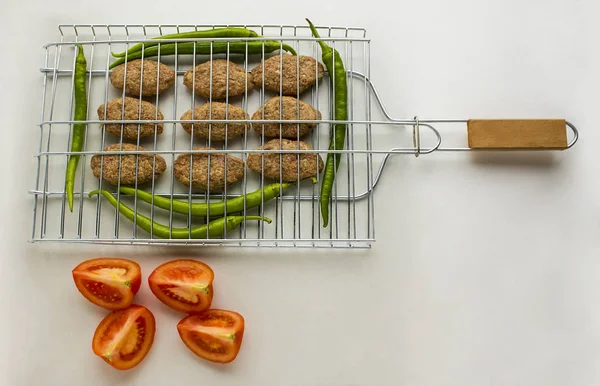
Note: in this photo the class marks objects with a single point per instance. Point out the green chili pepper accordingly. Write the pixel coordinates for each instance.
(204, 48)
(214, 228)
(337, 76)
(233, 205)
(80, 114)
(211, 33)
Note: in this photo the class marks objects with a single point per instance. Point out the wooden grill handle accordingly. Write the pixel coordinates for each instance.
(517, 133)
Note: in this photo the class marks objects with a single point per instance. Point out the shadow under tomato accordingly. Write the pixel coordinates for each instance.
(223, 368)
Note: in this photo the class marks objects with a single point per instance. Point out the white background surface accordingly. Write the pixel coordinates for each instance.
(486, 268)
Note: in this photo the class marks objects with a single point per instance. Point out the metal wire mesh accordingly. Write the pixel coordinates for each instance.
(295, 214)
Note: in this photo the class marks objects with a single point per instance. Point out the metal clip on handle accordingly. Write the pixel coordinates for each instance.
(417, 137)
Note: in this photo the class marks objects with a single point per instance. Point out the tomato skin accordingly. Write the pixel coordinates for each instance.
(109, 283)
(124, 350)
(184, 285)
(215, 335)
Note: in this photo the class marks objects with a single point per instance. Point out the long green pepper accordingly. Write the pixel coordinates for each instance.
(204, 48)
(233, 205)
(211, 33)
(80, 114)
(337, 76)
(214, 228)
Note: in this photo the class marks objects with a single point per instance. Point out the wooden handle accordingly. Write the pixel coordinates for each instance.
(517, 133)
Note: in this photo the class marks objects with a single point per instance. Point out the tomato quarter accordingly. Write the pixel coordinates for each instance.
(124, 337)
(214, 335)
(183, 285)
(108, 283)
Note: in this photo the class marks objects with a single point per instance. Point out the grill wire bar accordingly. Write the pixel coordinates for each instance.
(295, 214)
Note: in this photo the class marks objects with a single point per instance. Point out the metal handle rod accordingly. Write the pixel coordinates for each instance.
(195, 27)
(226, 39)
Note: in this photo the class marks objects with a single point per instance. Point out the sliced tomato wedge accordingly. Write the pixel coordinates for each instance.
(183, 285)
(108, 282)
(124, 337)
(214, 335)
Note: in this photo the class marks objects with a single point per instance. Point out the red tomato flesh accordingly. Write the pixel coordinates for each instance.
(183, 285)
(214, 335)
(107, 282)
(124, 337)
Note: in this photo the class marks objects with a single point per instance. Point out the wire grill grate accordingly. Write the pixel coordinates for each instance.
(295, 215)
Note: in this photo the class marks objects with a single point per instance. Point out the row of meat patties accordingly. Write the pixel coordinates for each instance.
(208, 171)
